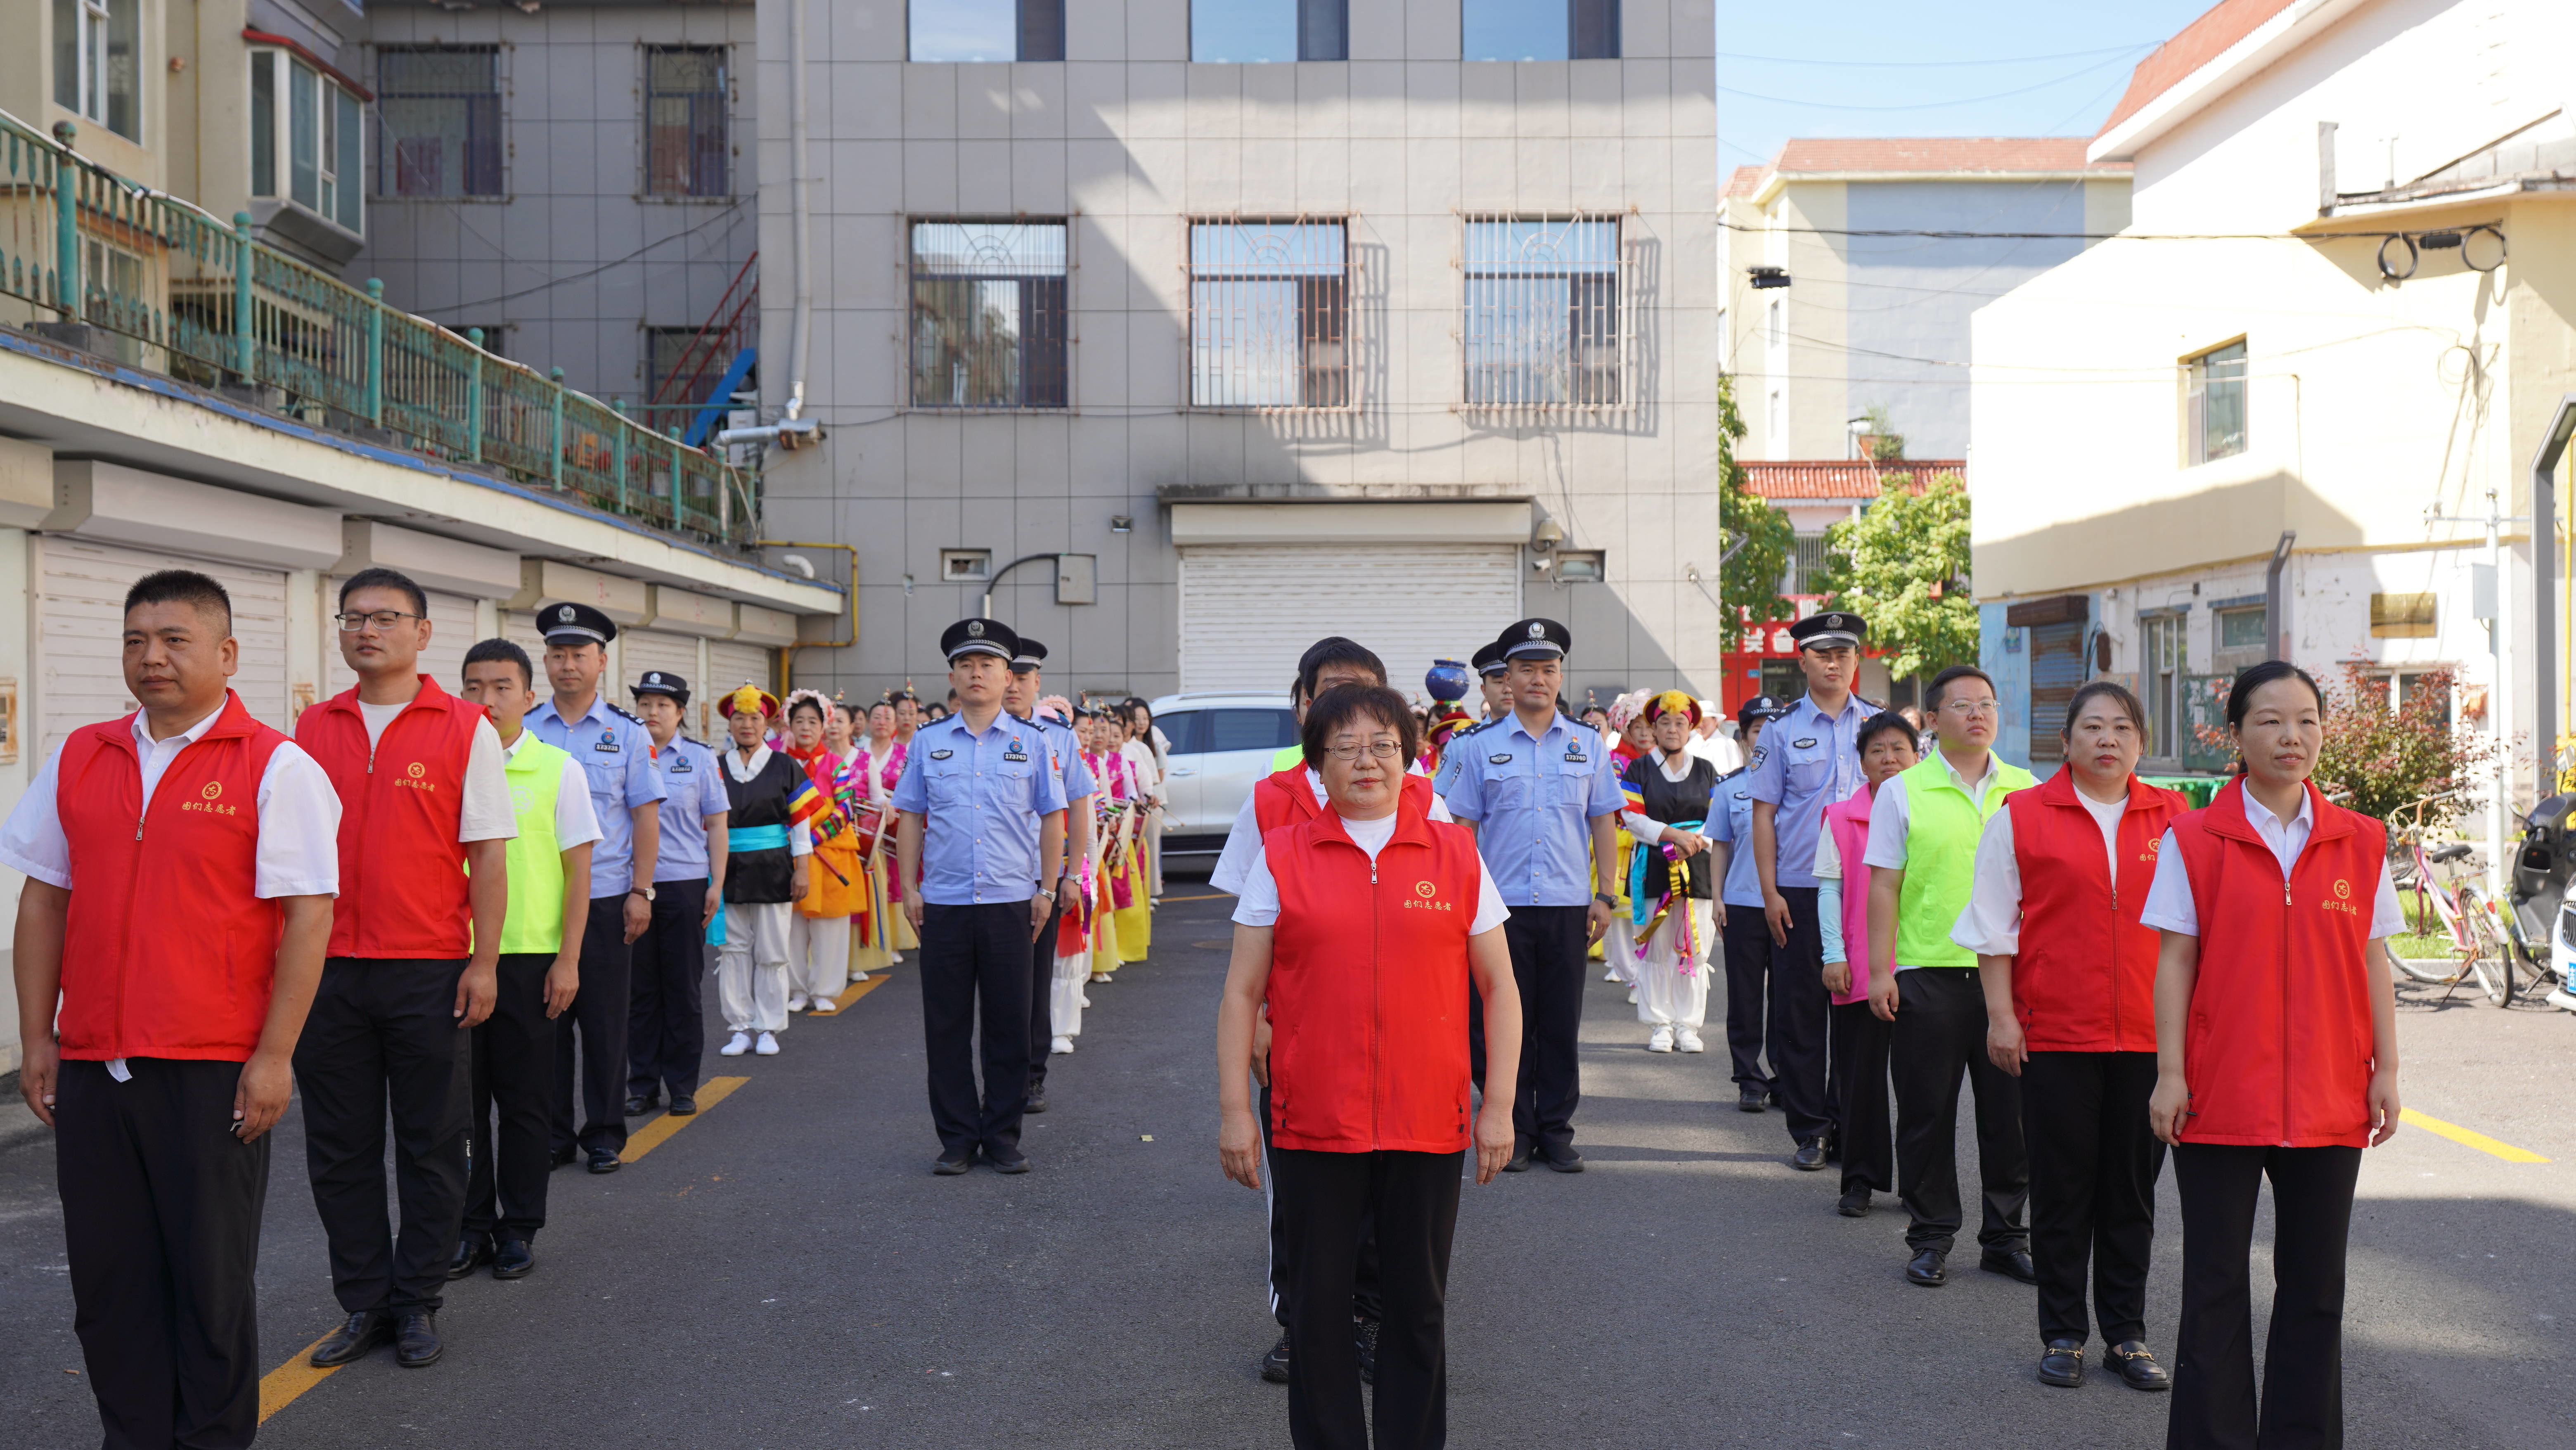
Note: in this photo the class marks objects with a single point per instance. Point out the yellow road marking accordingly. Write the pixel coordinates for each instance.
(653, 1134)
(279, 1387)
(1212, 896)
(2473, 1139)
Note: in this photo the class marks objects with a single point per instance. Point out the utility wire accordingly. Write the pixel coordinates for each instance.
(1925, 64)
(731, 212)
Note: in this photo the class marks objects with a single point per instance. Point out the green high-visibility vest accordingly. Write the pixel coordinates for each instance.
(1286, 756)
(535, 922)
(1942, 827)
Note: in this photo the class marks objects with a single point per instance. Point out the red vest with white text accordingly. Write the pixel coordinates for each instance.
(167, 951)
(402, 872)
(2085, 978)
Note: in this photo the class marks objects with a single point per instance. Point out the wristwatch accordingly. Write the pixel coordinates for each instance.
(644, 891)
(1605, 898)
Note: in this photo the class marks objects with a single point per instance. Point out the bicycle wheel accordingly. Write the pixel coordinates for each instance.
(2493, 959)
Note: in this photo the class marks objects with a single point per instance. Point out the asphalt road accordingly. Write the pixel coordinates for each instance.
(784, 1272)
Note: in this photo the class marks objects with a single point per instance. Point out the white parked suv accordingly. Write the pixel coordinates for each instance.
(1222, 744)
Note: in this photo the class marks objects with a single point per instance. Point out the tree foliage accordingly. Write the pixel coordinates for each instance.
(2381, 757)
(1882, 443)
(1903, 566)
(1749, 583)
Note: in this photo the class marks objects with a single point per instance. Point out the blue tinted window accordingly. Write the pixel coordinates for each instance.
(1512, 29)
(1253, 31)
(965, 30)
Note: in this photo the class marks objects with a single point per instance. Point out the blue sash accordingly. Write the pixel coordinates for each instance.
(756, 838)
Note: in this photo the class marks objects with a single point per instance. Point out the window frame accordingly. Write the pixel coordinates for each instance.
(723, 151)
(1308, 17)
(1591, 33)
(320, 110)
(2168, 705)
(1312, 382)
(909, 337)
(495, 164)
(88, 88)
(1036, 26)
(1524, 281)
(2199, 395)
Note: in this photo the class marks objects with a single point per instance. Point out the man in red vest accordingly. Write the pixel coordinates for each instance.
(161, 1096)
(422, 798)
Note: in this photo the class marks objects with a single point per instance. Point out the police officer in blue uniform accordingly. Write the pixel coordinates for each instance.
(666, 1027)
(1027, 687)
(1539, 792)
(981, 812)
(1746, 935)
(1807, 760)
(616, 754)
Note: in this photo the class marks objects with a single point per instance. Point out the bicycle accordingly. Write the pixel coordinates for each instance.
(2467, 916)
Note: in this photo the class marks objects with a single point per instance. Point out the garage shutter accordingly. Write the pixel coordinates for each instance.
(451, 634)
(1248, 611)
(80, 622)
(521, 629)
(2056, 668)
(729, 666)
(653, 649)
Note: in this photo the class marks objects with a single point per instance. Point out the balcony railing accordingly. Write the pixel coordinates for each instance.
(181, 293)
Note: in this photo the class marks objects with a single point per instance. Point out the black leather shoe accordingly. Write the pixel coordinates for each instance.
(950, 1167)
(604, 1160)
(1009, 1160)
(2012, 1263)
(513, 1259)
(1927, 1269)
(1274, 1365)
(1036, 1102)
(565, 1154)
(682, 1105)
(416, 1342)
(1749, 1100)
(637, 1107)
(1364, 1338)
(1567, 1162)
(1810, 1155)
(1854, 1204)
(2063, 1363)
(364, 1331)
(1772, 1097)
(472, 1250)
(2136, 1365)
(1519, 1161)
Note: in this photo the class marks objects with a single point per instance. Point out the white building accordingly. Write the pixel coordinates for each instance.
(1284, 318)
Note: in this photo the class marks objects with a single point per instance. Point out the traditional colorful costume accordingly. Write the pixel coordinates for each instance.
(1671, 900)
(836, 886)
(888, 934)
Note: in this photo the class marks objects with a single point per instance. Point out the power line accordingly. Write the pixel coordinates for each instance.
(1967, 236)
(732, 212)
(1924, 64)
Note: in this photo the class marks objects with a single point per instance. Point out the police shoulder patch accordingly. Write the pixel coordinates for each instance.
(1760, 754)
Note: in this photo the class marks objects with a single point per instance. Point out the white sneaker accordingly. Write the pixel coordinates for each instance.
(1061, 1044)
(767, 1046)
(1661, 1040)
(1100, 976)
(1086, 999)
(1612, 975)
(858, 976)
(2562, 997)
(895, 957)
(1632, 996)
(1685, 1040)
(740, 1044)
(796, 1001)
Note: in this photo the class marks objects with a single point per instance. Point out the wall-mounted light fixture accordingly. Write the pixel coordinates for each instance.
(1548, 535)
(1767, 275)
(1121, 523)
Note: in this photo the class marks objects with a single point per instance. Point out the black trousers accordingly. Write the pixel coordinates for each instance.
(1041, 1006)
(1940, 1033)
(1864, 1126)
(1322, 1201)
(598, 1018)
(1747, 940)
(514, 1070)
(2213, 1393)
(1366, 1300)
(1799, 1004)
(1548, 945)
(975, 966)
(161, 1211)
(383, 1034)
(2093, 1167)
(666, 1030)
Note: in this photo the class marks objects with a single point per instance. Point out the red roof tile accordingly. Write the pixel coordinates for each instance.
(1843, 478)
(2199, 43)
(1939, 154)
(1744, 181)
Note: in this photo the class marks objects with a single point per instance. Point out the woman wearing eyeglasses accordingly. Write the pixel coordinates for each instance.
(1362, 930)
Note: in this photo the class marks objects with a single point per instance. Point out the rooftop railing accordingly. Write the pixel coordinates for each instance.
(174, 290)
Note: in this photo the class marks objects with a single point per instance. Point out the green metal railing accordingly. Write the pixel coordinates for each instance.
(185, 294)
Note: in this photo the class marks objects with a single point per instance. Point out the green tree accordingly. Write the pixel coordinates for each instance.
(1903, 566)
(1748, 584)
(1882, 443)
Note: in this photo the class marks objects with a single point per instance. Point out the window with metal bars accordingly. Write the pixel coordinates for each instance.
(988, 314)
(1270, 315)
(2163, 660)
(684, 120)
(1807, 558)
(438, 131)
(1545, 324)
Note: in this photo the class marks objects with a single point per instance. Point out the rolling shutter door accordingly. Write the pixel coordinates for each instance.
(729, 666)
(80, 643)
(521, 629)
(1248, 611)
(451, 634)
(653, 649)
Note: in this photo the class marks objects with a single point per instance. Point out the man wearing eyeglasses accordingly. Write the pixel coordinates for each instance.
(1807, 760)
(423, 797)
(1924, 826)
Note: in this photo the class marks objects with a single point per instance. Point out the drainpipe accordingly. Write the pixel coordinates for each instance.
(802, 267)
(2273, 617)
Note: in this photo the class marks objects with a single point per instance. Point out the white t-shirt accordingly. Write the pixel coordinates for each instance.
(1140, 759)
(1991, 924)
(1243, 839)
(576, 824)
(1891, 821)
(485, 814)
(1259, 905)
(2169, 901)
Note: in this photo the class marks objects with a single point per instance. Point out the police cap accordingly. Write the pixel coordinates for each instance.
(1030, 655)
(1830, 630)
(575, 624)
(979, 637)
(662, 682)
(1535, 639)
(1761, 707)
(1489, 660)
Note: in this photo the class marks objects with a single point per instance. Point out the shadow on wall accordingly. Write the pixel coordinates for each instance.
(2225, 522)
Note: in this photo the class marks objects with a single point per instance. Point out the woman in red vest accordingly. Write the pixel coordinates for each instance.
(2276, 1056)
(1361, 929)
(2070, 978)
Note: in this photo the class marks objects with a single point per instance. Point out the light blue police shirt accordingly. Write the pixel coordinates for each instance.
(1805, 762)
(616, 752)
(980, 796)
(1532, 802)
(1734, 825)
(693, 782)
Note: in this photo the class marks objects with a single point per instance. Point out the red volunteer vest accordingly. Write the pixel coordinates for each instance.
(2085, 978)
(402, 872)
(2278, 1050)
(168, 952)
(1368, 986)
(1287, 797)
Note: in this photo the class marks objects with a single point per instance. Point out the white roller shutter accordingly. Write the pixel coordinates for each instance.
(521, 629)
(729, 665)
(1248, 611)
(451, 634)
(653, 649)
(80, 633)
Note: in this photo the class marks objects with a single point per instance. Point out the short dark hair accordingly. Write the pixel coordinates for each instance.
(1334, 650)
(487, 651)
(184, 586)
(1881, 723)
(385, 579)
(2119, 694)
(1341, 704)
(1932, 693)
